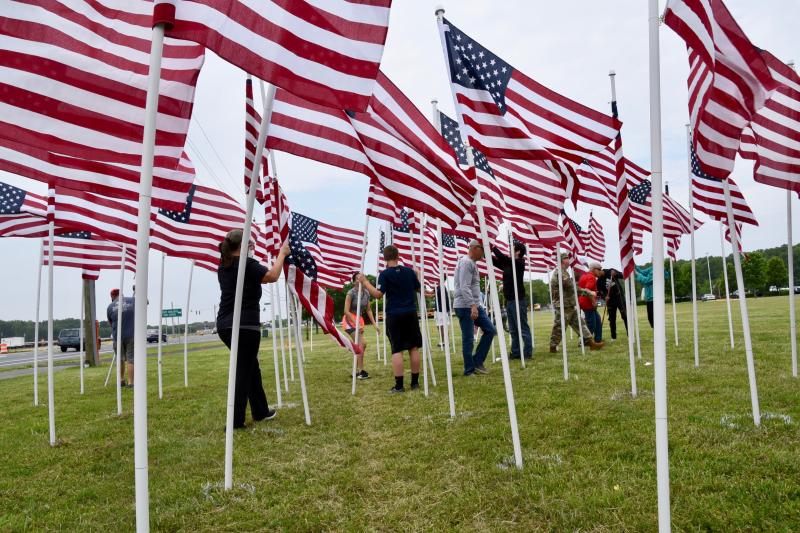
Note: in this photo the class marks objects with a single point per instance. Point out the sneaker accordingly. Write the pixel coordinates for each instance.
(362, 375)
(395, 390)
(481, 370)
(469, 375)
(414, 386)
(271, 413)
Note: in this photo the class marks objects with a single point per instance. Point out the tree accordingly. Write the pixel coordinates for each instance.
(777, 274)
(754, 271)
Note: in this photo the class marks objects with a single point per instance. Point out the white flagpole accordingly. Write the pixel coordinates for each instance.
(280, 333)
(790, 260)
(51, 408)
(659, 325)
(292, 303)
(635, 317)
(357, 324)
(694, 266)
(530, 290)
(420, 304)
(299, 326)
(377, 335)
(81, 347)
(289, 325)
(631, 330)
(36, 325)
(186, 330)
(142, 490)
(237, 305)
(672, 293)
(275, 346)
(160, 328)
(452, 322)
(727, 287)
(578, 310)
(495, 300)
(446, 340)
(512, 255)
(383, 325)
(120, 300)
(427, 335)
(561, 309)
(748, 343)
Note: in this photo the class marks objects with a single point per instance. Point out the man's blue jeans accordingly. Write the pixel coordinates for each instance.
(593, 323)
(468, 337)
(511, 310)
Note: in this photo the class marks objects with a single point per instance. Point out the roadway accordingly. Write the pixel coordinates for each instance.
(25, 358)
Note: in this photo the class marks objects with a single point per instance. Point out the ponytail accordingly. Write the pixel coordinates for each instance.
(231, 244)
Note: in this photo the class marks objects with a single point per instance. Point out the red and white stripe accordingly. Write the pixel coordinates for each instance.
(596, 245)
(326, 51)
(380, 206)
(573, 240)
(316, 301)
(773, 138)
(728, 82)
(413, 163)
(213, 214)
(112, 219)
(74, 82)
(531, 189)
(90, 255)
(708, 196)
(277, 215)
(541, 260)
(338, 254)
(252, 123)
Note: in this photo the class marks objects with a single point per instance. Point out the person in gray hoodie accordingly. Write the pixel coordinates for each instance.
(469, 312)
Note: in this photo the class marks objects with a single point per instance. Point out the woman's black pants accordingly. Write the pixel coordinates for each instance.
(248, 377)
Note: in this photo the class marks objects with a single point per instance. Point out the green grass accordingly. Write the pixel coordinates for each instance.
(386, 463)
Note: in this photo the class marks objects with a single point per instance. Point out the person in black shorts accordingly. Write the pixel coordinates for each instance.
(400, 285)
(248, 373)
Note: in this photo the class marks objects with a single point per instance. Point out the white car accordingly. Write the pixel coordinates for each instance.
(708, 298)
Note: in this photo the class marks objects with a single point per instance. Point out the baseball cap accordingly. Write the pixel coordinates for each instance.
(114, 293)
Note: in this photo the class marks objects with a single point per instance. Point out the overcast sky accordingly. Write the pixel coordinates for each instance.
(568, 46)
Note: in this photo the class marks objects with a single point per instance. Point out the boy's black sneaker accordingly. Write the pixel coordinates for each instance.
(395, 390)
(362, 375)
(414, 386)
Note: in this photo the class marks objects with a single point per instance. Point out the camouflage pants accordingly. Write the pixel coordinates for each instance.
(570, 321)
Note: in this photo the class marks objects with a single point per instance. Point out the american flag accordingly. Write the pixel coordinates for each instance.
(542, 260)
(708, 196)
(73, 95)
(276, 211)
(491, 194)
(406, 238)
(380, 206)
(81, 249)
(597, 178)
(113, 219)
(728, 81)
(623, 169)
(195, 231)
(330, 254)
(530, 193)
(509, 115)
(382, 243)
(596, 247)
(300, 269)
(414, 165)
(327, 52)
(574, 241)
(22, 213)
(773, 137)
(252, 123)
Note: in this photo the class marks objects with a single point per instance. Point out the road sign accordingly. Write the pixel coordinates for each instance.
(171, 313)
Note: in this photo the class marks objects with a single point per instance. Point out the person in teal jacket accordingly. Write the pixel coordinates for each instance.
(644, 275)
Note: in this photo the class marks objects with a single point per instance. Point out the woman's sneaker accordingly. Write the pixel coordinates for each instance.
(362, 375)
(395, 390)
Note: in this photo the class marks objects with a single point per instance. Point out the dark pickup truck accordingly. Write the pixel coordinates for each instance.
(69, 338)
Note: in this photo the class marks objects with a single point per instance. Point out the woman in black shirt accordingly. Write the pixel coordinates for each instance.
(248, 372)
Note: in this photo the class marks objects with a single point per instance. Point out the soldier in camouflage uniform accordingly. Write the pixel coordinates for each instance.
(570, 308)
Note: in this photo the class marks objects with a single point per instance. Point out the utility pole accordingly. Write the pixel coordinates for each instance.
(92, 355)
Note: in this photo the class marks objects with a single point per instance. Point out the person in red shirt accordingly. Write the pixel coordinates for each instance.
(588, 299)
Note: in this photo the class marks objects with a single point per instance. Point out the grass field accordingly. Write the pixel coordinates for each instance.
(387, 463)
